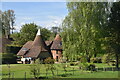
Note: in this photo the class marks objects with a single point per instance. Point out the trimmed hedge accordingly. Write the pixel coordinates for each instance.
(9, 58)
(12, 49)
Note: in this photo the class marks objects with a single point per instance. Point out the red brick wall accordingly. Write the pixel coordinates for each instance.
(54, 53)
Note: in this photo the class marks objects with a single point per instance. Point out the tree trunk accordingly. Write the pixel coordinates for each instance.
(117, 61)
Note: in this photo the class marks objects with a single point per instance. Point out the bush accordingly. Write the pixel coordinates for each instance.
(83, 59)
(35, 69)
(112, 63)
(49, 64)
(9, 58)
(91, 67)
(96, 60)
(87, 66)
(105, 58)
(73, 63)
(12, 49)
(83, 66)
(49, 60)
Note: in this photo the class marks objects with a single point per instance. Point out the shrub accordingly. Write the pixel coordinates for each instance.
(105, 58)
(91, 67)
(49, 64)
(65, 66)
(112, 63)
(49, 60)
(73, 63)
(62, 60)
(9, 58)
(96, 60)
(35, 68)
(87, 66)
(13, 49)
(83, 66)
(83, 59)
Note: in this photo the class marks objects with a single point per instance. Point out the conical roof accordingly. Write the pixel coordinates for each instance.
(38, 41)
(58, 37)
(34, 48)
(57, 43)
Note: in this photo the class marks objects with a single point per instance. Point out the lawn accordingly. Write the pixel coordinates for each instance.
(19, 70)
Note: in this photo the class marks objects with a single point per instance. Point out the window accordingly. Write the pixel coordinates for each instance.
(56, 51)
(24, 49)
(57, 58)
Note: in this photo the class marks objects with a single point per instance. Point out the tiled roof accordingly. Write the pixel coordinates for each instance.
(57, 43)
(34, 48)
(34, 51)
(25, 48)
(48, 42)
(38, 41)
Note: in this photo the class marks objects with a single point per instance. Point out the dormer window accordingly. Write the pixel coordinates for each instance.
(24, 49)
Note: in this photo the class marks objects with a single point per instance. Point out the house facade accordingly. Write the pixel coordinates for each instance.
(41, 49)
(33, 50)
(56, 48)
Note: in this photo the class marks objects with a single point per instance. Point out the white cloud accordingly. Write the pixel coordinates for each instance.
(55, 21)
(17, 28)
(50, 21)
(27, 18)
(22, 23)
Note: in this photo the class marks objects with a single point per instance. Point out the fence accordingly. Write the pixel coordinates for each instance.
(57, 72)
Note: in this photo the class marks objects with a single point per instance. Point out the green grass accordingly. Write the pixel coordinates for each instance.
(20, 69)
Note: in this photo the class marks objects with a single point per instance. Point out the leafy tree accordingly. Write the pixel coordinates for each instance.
(8, 20)
(0, 23)
(82, 29)
(35, 69)
(16, 37)
(113, 29)
(28, 33)
(49, 64)
(45, 33)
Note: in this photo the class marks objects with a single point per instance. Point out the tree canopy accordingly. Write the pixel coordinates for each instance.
(91, 29)
(7, 21)
(28, 33)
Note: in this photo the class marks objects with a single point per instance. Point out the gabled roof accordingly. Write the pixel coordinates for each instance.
(34, 48)
(34, 51)
(25, 48)
(57, 43)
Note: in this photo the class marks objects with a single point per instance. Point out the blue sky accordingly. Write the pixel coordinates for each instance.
(45, 14)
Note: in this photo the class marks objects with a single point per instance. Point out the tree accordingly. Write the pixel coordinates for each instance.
(28, 33)
(35, 69)
(113, 29)
(1, 23)
(45, 33)
(82, 30)
(8, 20)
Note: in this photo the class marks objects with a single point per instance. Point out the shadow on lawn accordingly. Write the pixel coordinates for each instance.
(108, 69)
